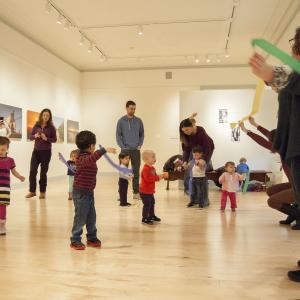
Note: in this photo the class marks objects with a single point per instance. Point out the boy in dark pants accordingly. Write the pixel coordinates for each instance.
(83, 192)
(123, 179)
(147, 187)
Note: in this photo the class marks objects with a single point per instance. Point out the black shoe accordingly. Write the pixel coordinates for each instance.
(287, 221)
(125, 204)
(201, 206)
(294, 275)
(147, 221)
(155, 219)
(296, 226)
(191, 204)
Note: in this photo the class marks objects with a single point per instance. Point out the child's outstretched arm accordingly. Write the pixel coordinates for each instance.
(17, 174)
(222, 178)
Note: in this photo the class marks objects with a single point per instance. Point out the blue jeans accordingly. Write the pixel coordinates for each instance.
(85, 214)
(199, 193)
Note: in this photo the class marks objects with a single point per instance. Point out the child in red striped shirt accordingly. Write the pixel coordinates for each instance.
(83, 190)
(147, 187)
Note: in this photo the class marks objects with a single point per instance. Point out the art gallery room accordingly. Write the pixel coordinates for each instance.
(150, 149)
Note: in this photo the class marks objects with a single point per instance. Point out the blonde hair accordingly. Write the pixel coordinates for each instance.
(243, 159)
(146, 153)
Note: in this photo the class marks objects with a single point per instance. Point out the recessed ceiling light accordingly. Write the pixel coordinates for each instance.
(81, 42)
(59, 19)
(207, 59)
(140, 30)
(197, 60)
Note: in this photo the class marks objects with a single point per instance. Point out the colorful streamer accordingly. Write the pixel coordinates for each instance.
(63, 160)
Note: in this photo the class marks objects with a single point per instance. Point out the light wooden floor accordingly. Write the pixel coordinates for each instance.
(192, 254)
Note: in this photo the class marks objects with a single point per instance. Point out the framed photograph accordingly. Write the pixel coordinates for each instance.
(236, 134)
(223, 115)
(59, 124)
(72, 130)
(11, 121)
(32, 118)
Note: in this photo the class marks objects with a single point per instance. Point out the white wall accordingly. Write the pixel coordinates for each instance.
(238, 103)
(105, 94)
(32, 78)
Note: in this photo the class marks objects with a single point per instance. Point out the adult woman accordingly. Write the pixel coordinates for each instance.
(287, 138)
(192, 136)
(43, 134)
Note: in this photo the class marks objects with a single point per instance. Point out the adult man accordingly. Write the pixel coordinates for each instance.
(130, 138)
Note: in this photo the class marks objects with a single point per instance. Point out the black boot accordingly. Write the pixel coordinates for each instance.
(291, 211)
(287, 221)
(296, 226)
(294, 276)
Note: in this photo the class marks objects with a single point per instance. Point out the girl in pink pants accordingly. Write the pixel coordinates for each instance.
(230, 184)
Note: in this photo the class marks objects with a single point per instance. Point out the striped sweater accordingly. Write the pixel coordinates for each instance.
(6, 165)
(86, 171)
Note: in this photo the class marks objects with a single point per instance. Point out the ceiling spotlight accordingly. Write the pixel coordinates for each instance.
(81, 42)
(67, 25)
(197, 60)
(140, 30)
(207, 59)
(59, 19)
(227, 55)
(236, 2)
(90, 49)
(48, 7)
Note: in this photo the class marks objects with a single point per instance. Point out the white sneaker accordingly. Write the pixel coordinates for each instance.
(137, 196)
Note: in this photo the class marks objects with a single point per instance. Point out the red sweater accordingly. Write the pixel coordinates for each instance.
(148, 179)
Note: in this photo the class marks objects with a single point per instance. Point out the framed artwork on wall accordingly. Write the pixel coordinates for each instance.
(223, 115)
(11, 121)
(32, 118)
(72, 130)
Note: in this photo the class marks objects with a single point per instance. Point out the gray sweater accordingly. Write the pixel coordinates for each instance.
(130, 132)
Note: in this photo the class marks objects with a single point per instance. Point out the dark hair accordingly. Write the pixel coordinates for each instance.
(4, 141)
(296, 44)
(122, 155)
(197, 150)
(130, 102)
(229, 163)
(84, 139)
(184, 123)
(40, 121)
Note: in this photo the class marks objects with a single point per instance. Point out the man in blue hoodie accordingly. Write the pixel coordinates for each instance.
(130, 138)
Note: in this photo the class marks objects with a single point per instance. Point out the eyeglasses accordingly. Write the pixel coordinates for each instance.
(292, 41)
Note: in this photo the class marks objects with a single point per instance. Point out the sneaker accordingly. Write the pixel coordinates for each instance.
(147, 221)
(287, 221)
(125, 204)
(77, 246)
(201, 206)
(42, 196)
(2, 228)
(294, 276)
(137, 196)
(96, 243)
(155, 219)
(191, 204)
(30, 195)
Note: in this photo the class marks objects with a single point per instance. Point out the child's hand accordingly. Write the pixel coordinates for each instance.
(111, 150)
(165, 175)
(37, 135)
(201, 163)
(22, 178)
(130, 176)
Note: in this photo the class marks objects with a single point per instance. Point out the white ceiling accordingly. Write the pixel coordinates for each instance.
(175, 31)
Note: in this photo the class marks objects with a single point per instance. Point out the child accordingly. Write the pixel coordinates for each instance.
(230, 184)
(72, 164)
(242, 167)
(83, 192)
(198, 179)
(147, 187)
(7, 165)
(123, 179)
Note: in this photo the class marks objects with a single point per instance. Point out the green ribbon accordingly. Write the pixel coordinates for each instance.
(281, 55)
